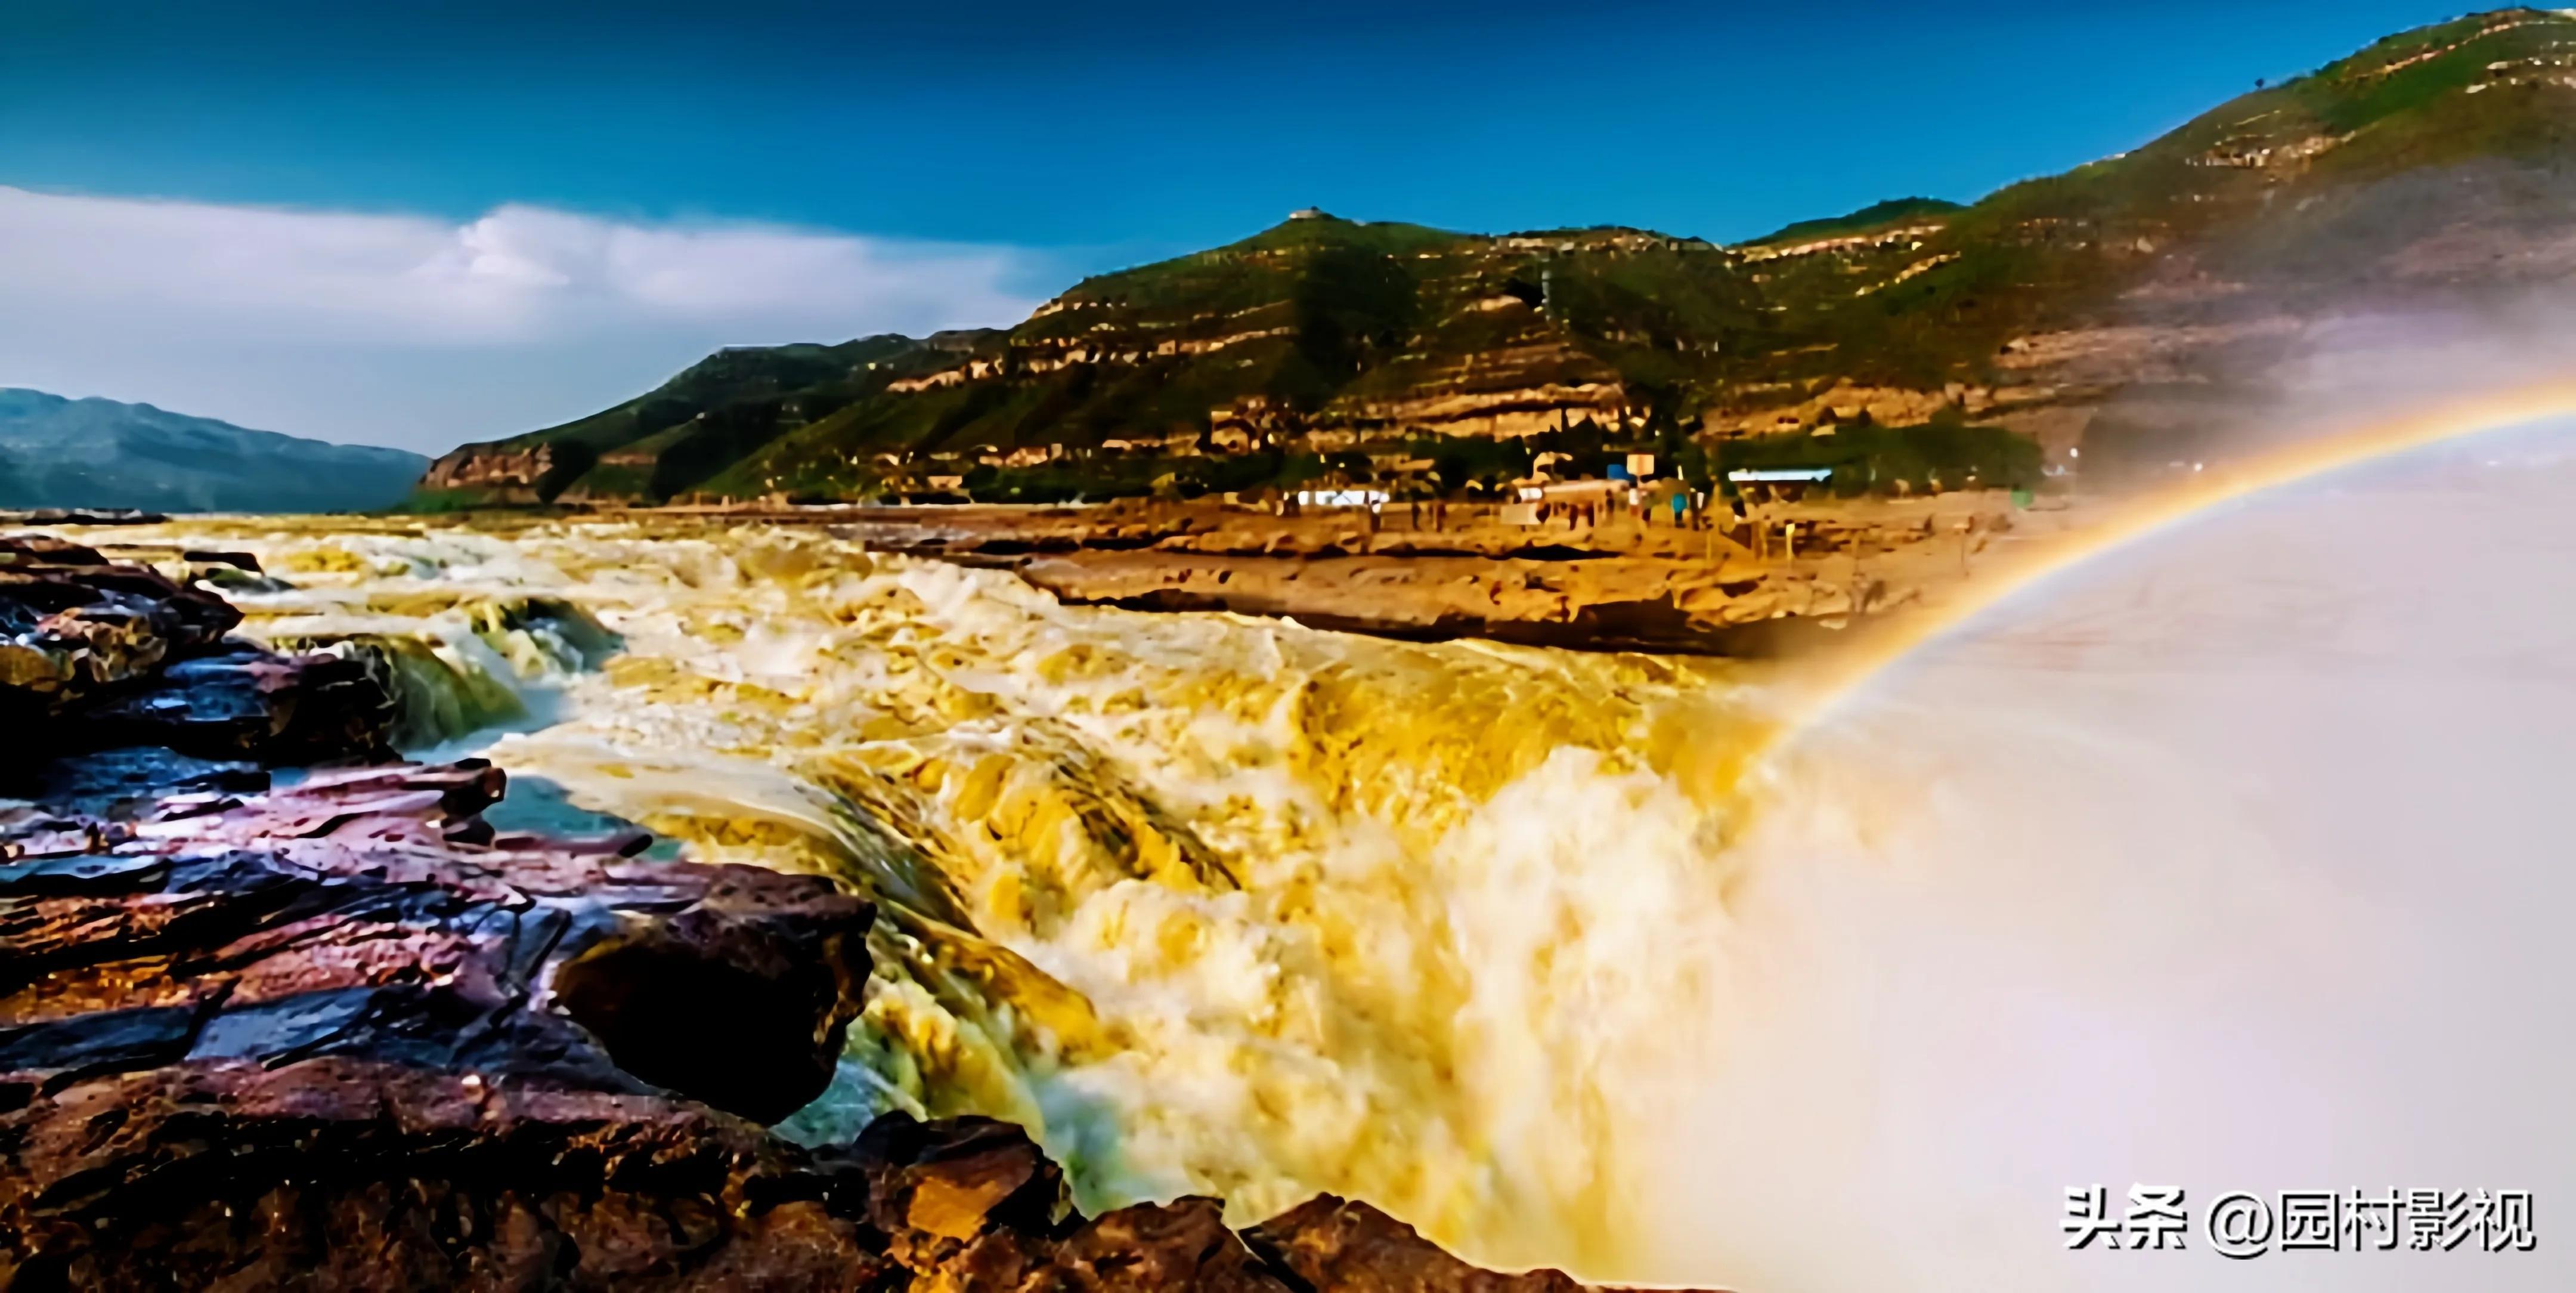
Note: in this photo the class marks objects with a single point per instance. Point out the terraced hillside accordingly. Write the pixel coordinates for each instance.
(2432, 165)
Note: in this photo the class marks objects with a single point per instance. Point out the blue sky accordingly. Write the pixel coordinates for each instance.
(968, 159)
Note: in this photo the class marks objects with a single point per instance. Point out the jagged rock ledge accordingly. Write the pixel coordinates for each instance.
(119, 685)
(345, 1034)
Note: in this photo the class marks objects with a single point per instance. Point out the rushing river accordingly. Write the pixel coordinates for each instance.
(2226, 861)
(1212, 905)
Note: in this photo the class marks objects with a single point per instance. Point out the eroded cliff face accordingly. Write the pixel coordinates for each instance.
(510, 476)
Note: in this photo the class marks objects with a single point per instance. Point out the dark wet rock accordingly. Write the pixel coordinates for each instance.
(46, 549)
(1175, 1246)
(224, 579)
(1335, 1245)
(1639, 624)
(1656, 624)
(73, 624)
(244, 702)
(342, 1173)
(98, 657)
(969, 1203)
(118, 782)
(342, 1033)
(243, 561)
(934, 1187)
(372, 914)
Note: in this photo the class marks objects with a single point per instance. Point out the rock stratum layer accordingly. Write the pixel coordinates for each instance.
(343, 1033)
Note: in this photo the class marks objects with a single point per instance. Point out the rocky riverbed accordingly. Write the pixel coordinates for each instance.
(1604, 579)
(279, 1011)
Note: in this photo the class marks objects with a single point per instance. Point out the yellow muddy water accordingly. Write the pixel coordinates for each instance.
(1211, 904)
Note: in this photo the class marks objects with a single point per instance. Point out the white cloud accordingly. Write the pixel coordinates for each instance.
(405, 329)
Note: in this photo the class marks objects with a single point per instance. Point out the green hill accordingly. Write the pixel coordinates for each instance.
(1874, 218)
(93, 453)
(2434, 164)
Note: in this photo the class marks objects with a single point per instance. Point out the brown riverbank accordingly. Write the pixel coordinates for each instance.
(1787, 573)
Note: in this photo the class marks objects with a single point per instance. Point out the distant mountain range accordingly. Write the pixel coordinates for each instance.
(2107, 304)
(93, 453)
